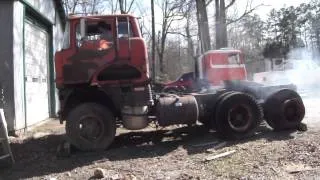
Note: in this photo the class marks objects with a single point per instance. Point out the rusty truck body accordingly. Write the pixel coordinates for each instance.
(102, 75)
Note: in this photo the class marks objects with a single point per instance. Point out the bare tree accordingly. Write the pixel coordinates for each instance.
(125, 7)
(70, 6)
(113, 6)
(249, 8)
(86, 7)
(203, 25)
(170, 13)
(191, 51)
(222, 22)
(153, 56)
(184, 57)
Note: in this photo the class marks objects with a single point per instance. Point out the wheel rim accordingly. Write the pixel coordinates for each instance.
(91, 128)
(292, 110)
(240, 118)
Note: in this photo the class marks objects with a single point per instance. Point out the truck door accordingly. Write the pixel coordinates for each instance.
(94, 48)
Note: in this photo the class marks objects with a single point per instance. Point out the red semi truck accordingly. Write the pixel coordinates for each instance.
(102, 75)
(213, 67)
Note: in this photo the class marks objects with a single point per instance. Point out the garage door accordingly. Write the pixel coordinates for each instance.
(36, 73)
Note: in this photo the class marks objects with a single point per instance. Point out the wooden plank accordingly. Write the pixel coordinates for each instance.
(228, 153)
(5, 156)
(218, 146)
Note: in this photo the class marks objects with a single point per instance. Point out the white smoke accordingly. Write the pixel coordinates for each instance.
(306, 75)
(300, 68)
(303, 71)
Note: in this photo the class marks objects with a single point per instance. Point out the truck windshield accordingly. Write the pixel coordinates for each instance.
(66, 37)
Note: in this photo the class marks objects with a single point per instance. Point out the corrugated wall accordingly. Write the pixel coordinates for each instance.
(6, 56)
(18, 65)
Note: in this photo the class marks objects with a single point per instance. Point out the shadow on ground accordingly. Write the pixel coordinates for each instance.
(37, 157)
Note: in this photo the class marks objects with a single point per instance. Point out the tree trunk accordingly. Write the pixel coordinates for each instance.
(224, 38)
(190, 51)
(122, 10)
(162, 49)
(93, 8)
(221, 24)
(190, 43)
(153, 56)
(218, 24)
(318, 40)
(202, 18)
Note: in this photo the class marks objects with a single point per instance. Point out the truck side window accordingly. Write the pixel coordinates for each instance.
(95, 31)
(99, 30)
(187, 76)
(66, 37)
(234, 59)
(78, 36)
(123, 29)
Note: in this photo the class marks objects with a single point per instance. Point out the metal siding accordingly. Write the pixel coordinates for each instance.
(17, 115)
(6, 64)
(18, 65)
(43, 7)
(57, 46)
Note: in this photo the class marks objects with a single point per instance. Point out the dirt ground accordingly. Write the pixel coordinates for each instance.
(173, 153)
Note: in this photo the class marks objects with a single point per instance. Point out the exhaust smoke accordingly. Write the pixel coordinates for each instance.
(301, 68)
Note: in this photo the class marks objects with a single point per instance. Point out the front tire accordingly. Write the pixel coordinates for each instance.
(91, 127)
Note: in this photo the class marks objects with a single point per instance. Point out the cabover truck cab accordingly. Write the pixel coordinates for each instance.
(213, 67)
(217, 66)
(102, 75)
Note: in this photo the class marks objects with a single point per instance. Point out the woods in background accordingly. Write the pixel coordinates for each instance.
(187, 28)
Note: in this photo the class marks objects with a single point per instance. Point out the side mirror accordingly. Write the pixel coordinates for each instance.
(82, 27)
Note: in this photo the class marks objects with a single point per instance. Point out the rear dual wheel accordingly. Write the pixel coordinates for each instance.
(284, 110)
(237, 115)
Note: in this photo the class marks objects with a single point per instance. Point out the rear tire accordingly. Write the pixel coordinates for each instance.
(237, 116)
(91, 127)
(284, 110)
(209, 120)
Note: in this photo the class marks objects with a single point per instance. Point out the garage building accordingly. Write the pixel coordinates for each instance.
(31, 31)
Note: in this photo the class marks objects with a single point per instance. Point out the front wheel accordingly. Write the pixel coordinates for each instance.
(91, 127)
(237, 116)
